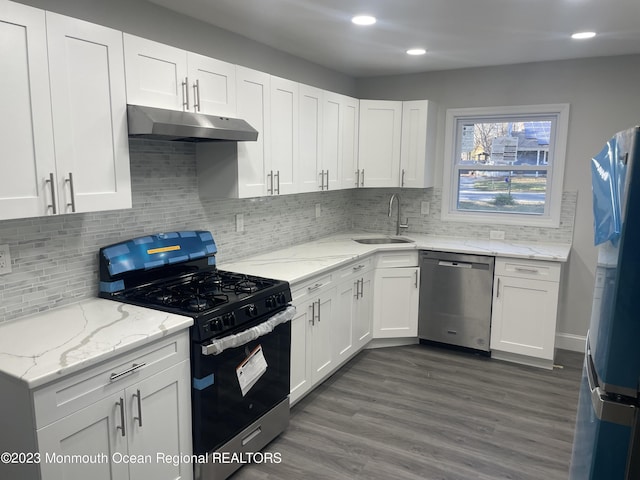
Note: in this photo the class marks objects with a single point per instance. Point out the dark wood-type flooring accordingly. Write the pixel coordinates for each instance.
(421, 412)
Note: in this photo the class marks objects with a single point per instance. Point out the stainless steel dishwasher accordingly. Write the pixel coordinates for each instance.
(455, 299)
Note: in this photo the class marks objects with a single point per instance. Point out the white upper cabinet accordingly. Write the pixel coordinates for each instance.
(284, 136)
(417, 148)
(340, 140)
(380, 135)
(310, 167)
(89, 115)
(213, 85)
(26, 133)
(163, 76)
(64, 115)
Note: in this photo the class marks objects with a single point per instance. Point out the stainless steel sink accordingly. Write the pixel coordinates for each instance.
(381, 240)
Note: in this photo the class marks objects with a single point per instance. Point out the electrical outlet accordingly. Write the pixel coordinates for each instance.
(5, 259)
(496, 235)
(425, 207)
(239, 222)
(318, 210)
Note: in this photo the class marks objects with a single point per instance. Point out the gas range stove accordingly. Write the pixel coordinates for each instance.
(176, 272)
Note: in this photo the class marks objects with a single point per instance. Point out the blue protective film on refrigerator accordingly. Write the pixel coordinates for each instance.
(607, 177)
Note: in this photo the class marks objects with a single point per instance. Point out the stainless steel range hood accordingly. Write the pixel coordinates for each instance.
(162, 124)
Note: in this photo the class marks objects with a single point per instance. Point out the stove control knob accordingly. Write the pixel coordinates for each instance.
(271, 301)
(215, 324)
(282, 299)
(251, 310)
(229, 319)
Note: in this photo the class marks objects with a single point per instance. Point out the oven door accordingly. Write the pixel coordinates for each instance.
(236, 387)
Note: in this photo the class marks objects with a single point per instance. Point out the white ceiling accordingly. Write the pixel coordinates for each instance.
(456, 33)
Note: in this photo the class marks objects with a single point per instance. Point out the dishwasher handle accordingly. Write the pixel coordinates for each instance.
(445, 263)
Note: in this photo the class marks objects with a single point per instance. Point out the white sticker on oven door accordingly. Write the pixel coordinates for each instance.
(251, 369)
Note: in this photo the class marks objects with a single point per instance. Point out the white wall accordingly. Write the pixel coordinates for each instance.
(604, 98)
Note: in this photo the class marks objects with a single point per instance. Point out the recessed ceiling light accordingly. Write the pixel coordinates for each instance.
(363, 20)
(416, 51)
(583, 35)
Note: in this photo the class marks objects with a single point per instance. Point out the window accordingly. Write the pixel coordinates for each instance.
(505, 165)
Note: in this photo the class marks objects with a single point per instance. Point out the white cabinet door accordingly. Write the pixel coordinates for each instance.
(418, 144)
(349, 149)
(95, 431)
(379, 143)
(150, 404)
(156, 74)
(322, 357)
(213, 85)
(284, 135)
(26, 133)
(395, 302)
(523, 320)
(254, 106)
(310, 166)
(363, 321)
(300, 351)
(89, 115)
(345, 317)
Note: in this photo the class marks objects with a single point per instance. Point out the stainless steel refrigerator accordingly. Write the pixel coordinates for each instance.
(607, 437)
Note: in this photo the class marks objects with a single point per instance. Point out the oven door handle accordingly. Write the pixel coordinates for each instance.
(219, 345)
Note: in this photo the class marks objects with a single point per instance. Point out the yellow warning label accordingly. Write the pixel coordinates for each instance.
(163, 249)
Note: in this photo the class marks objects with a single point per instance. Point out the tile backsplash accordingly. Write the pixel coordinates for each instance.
(54, 259)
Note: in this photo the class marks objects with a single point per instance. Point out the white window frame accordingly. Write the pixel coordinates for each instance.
(555, 172)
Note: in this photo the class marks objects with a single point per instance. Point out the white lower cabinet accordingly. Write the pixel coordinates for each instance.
(332, 323)
(525, 304)
(113, 418)
(396, 295)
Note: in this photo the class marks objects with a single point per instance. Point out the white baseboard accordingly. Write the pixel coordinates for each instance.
(569, 341)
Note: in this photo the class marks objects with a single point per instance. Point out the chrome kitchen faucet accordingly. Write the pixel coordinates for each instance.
(398, 224)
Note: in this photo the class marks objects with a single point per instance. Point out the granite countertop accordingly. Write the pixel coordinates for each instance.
(44, 347)
(300, 262)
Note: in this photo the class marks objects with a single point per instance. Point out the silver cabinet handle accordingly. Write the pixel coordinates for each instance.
(322, 180)
(359, 267)
(121, 426)
(498, 289)
(362, 178)
(52, 205)
(314, 287)
(313, 314)
(356, 286)
(318, 310)
(270, 176)
(71, 191)
(134, 367)
(196, 95)
(402, 180)
(277, 174)
(416, 274)
(527, 270)
(185, 94)
(326, 185)
(358, 178)
(139, 417)
(361, 287)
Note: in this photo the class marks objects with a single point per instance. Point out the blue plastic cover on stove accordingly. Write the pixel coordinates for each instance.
(158, 250)
(608, 171)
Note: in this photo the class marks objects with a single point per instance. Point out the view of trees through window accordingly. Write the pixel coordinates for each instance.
(502, 166)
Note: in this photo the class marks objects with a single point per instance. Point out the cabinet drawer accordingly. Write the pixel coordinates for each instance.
(408, 258)
(361, 266)
(533, 269)
(80, 390)
(299, 290)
